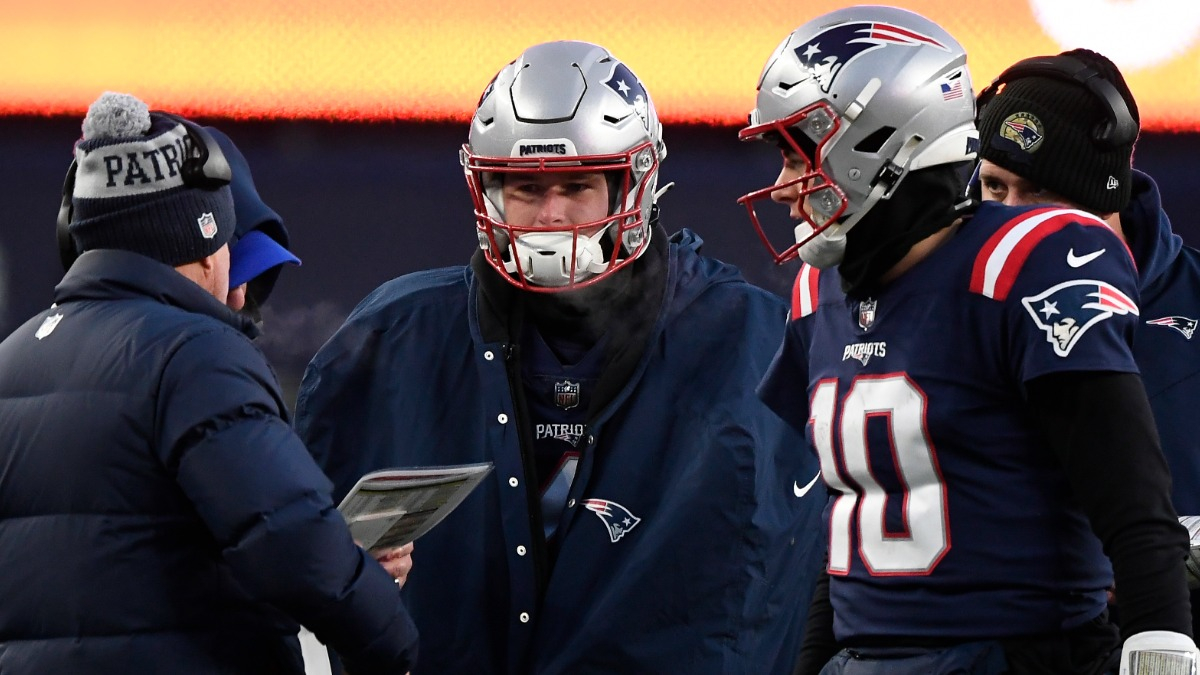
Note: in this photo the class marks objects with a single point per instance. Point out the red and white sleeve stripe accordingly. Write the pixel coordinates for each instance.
(804, 291)
(1002, 257)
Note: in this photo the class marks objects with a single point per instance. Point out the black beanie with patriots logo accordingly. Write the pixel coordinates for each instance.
(129, 192)
(1040, 128)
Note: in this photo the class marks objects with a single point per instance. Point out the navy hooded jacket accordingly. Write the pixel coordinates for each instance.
(1166, 345)
(690, 540)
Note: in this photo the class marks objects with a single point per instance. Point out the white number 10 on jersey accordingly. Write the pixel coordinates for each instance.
(863, 501)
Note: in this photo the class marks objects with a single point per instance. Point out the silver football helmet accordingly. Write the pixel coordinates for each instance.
(872, 93)
(564, 107)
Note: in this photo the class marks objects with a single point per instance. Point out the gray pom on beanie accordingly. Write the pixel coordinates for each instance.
(129, 191)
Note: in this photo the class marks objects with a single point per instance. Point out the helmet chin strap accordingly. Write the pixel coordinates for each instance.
(546, 257)
(827, 249)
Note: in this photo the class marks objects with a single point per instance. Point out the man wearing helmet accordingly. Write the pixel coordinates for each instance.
(647, 513)
(966, 375)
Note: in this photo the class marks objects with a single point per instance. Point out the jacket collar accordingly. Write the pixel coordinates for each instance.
(110, 274)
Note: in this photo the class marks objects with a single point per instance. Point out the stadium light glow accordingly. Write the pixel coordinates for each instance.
(428, 61)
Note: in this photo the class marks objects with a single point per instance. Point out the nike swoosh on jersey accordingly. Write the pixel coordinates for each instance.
(1081, 260)
(801, 491)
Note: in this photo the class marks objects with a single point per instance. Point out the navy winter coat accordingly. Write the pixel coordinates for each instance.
(157, 513)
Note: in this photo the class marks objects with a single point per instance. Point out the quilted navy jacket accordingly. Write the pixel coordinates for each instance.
(157, 513)
(684, 547)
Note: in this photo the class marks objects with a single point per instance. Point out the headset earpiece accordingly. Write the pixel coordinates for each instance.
(206, 166)
(67, 252)
(1119, 128)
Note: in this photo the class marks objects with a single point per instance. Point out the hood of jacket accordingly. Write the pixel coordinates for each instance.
(1148, 232)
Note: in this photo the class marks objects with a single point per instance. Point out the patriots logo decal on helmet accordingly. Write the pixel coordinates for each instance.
(1067, 310)
(626, 84)
(487, 91)
(1180, 323)
(616, 518)
(829, 51)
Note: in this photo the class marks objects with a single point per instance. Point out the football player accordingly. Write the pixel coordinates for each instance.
(645, 514)
(972, 394)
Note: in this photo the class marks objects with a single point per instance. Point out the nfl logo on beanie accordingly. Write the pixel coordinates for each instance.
(208, 225)
(131, 190)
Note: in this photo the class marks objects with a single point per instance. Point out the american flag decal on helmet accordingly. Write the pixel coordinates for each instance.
(616, 518)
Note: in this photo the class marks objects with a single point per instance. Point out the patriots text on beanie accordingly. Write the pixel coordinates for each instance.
(130, 193)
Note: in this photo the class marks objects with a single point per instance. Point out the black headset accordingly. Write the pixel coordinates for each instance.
(1119, 128)
(205, 167)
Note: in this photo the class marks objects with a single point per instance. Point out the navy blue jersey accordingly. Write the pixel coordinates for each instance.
(558, 390)
(949, 515)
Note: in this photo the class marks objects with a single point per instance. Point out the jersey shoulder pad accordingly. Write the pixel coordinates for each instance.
(1005, 252)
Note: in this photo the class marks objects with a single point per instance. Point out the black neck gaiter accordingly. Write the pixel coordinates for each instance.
(625, 307)
(925, 202)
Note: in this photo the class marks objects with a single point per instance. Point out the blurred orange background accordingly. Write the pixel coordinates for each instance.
(429, 60)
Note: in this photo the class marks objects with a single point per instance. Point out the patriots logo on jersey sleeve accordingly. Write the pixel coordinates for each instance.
(616, 518)
(1066, 311)
(830, 50)
(1180, 323)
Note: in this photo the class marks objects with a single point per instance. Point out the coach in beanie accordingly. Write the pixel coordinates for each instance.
(1042, 129)
(132, 190)
(169, 519)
